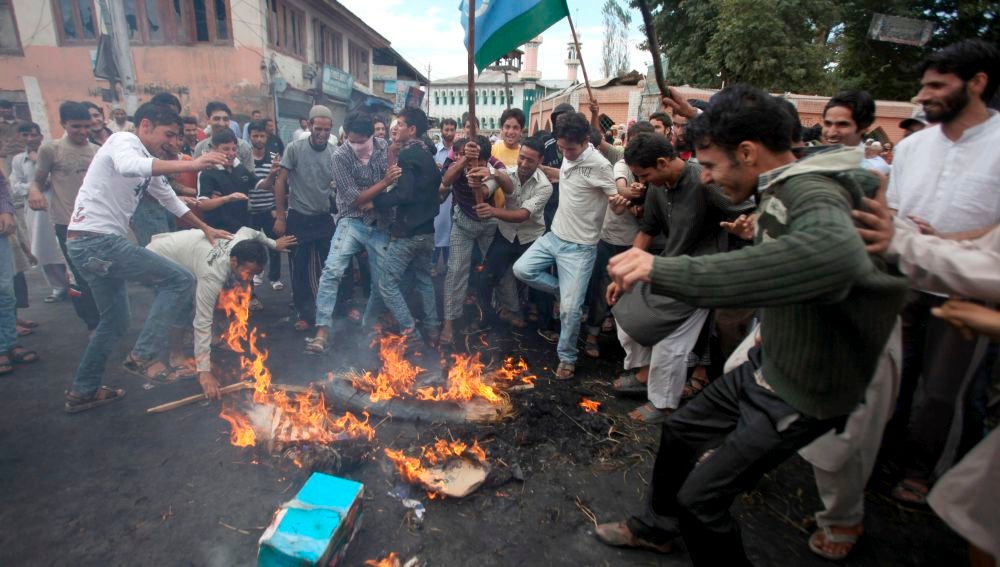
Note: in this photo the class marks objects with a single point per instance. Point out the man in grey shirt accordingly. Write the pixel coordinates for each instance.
(219, 118)
(307, 171)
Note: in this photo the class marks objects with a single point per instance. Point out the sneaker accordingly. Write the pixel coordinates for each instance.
(257, 280)
(277, 286)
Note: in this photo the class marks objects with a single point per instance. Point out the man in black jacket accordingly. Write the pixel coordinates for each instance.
(411, 244)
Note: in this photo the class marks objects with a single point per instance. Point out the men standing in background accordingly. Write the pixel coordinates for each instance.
(9, 143)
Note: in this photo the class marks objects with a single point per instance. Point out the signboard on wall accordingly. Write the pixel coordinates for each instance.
(337, 84)
(402, 90)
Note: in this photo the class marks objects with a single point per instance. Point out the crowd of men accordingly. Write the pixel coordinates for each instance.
(775, 289)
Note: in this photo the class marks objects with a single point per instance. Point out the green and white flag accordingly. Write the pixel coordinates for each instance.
(505, 25)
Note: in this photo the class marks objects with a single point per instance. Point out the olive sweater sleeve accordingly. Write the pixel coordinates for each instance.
(807, 250)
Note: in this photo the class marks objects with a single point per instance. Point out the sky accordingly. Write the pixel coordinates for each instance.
(430, 32)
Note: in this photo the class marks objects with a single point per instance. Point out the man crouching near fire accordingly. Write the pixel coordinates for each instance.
(226, 264)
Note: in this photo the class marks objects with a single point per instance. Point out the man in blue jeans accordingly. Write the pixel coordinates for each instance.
(124, 170)
(361, 164)
(10, 353)
(411, 242)
(586, 182)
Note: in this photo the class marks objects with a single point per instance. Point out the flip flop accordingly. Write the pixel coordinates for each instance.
(565, 371)
(911, 493)
(829, 537)
(628, 383)
(21, 355)
(316, 346)
(649, 414)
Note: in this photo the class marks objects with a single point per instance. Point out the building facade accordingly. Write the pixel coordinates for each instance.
(277, 56)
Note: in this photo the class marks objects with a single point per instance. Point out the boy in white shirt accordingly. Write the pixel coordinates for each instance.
(126, 168)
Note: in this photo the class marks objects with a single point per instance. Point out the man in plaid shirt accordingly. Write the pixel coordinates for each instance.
(361, 163)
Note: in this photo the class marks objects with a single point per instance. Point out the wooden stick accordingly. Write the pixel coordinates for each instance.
(477, 194)
(654, 46)
(244, 385)
(576, 42)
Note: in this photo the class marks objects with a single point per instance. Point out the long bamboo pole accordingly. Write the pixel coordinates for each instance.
(576, 42)
(473, 130)
(654, 46)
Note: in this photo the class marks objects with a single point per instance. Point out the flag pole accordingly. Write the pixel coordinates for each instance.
(576, 42)
(472, 68)
(473, 130)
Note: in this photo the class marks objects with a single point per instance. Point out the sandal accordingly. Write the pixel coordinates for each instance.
(565, 371)
(54, 297)
(6, 367)
(693, 387)
(104, 395)
(591, 348)
(827, 536)
(302, 325)
(21, 355)
(533, 314)
(628, 383)
(141, 367)
(27, 324)
(316, 346)
(24, 331)
(618, 534)
(912, 493)
(446, 337)
(551, 336)
(513, 319)
(649, 414)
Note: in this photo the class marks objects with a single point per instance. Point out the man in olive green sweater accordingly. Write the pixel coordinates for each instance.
(826, 309)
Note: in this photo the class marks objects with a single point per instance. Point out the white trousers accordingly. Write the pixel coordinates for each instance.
(667, 359)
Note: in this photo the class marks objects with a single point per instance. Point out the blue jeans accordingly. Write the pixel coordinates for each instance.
(573, 263)
(8, 304)
(351, 237)
(107, 262)
(414, 253)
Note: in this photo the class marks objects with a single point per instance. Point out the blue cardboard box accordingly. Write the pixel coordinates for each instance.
(315, 527)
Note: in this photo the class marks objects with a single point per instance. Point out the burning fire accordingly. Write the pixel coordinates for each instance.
(391, 560)
(242, 434)
(413, 470)
(590, 406)
(466, 378)
(397, 375)
(304, 413)
(512, 371)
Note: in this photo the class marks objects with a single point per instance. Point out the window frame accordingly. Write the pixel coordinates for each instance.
(322, 30)
(352, 49)
(171, 29)
(271, 19)
(77, 24)
(19, 50)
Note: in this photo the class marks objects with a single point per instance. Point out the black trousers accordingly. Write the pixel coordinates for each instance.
(718, 445)
(264, 222)
(313, 233)
(84, 305)
(500, 257)
(597, 305)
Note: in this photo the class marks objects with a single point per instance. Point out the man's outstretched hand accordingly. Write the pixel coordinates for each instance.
(285, 242)
(214, 234)
(631, 267)
(209, 385)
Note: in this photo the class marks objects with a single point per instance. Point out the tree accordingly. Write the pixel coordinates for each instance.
(616, 56)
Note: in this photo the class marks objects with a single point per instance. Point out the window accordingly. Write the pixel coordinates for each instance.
(494, 96)
(177, 22)
(437, 99)
(285, 28)
(76, 21)
(493, 121)
(329, 45)
(477, 97)
(10, 40)
(452, 95)
(502, 99)
(461, 98)
(360, 64)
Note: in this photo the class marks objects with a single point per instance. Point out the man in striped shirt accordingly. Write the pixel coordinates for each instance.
(265, 166)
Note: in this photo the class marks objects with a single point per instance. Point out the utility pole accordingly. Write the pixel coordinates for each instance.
(428, 89)
(118, 30)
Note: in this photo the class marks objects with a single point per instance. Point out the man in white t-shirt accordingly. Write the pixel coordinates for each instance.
(125, 169)
(586, 182)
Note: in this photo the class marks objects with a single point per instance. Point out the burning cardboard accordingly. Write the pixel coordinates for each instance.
(315, 527)
(453, 469)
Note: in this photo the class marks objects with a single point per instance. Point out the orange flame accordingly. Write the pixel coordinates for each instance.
(396, 377)
(242, 434)
(391, 560)
(306, 411)
(413, 470)
(465, 381)
(512, 371)
(590, 406)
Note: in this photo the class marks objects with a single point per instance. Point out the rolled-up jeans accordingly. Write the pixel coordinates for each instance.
(107, 262)
(8, 307)
(413, 253)
(351, 237)
(573, 263)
